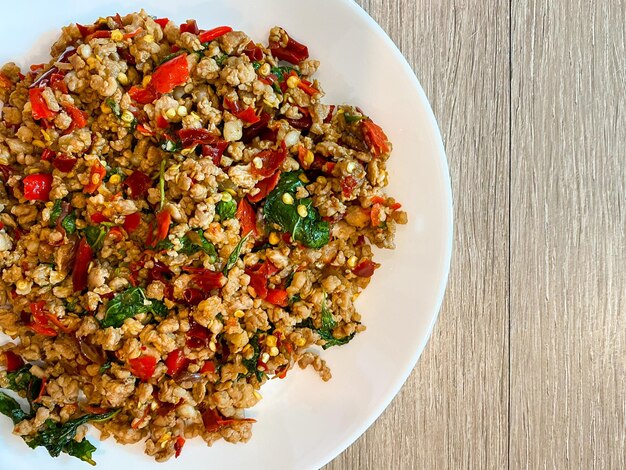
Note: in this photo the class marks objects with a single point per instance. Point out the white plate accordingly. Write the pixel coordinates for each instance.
(302, 421)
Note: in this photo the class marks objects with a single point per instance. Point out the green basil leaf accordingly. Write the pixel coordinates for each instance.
(69, 223)
(82, 450)
(128, 304)
(195, 241)
(115, 107)
(226, 209)
(11, 408)
(234, 256)
(55, 212)
(95, 235)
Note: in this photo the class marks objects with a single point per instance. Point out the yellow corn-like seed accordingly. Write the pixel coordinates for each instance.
(227, 197)
(102, 20)
(148, 38)
(302, 211)
(105, 108)
(293, 81)
(274, 238)
(265, 70)
(246, 350)
(21, 284)
(303, 178)
(212, 346)
(185, 152)
(265, 357)
(321, 180)
(308, 159)
(258, 395)
(39, 143)
(115, 179)
(122, 78)
(352, 261)
(146, 80)
(271, 341)
(287, 199)
(127, 116)
(170, 113)
(239, 313)
(91, 62)
(181, 111)
(350, 167)
(46, 136)
(300, 342)
(116, 35)
(95, 178)
(274, 351)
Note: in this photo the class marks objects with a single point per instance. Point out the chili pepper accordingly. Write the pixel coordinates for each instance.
(170, 74)
(98, 35)
(57, 83)
(99, 217)
(143, 95)
(376, 215)
(191, 137)
(193, 296)
(176, 361)
(84, 255)
(126, 56)
(214, 33)
(254, 130)
(79, 117)
(248, 114)
(190, 26)
(293, 52)
(247, 218)
(37, 186)
(214, 421)
(132, 34)
(178, 446)
(96, 175)
(208, 366)
(305, 122)
(143, 367)
(116, 233)
(329, 116)
(347, 186)
(259, 276)
(87, 30)
(5, 82)
(277, 297)
(365, 268)
(162, 22)
(138, 183)
(13, 361)
(161, 122)
(132, 221)
(215, 151)
(254, 52)
(307, 87)
(271, 159)
(197, 336)
(56, 322)
(265, 186)
(43, 330)
(42, 390)
(64, 163)
(206, 279)
(38, 104)
(40, 323)
(375, 138)
(36, 67)
(48, 155)
(145, 130)
(163, 220)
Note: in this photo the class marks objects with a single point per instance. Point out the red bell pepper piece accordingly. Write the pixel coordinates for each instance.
(247, 218)
(178, 446)
(132, 221)
(64, 163)
(175, 362)
(162, 22)
(138, 183)
(143, 95)
(190, 26)
(254, 52)
(14, 362)
(163, 220)
(215, 151)
(265, 187)
(205, 278)
(191, 137)
(293, 52)
(375, 138)
(272, 159)
(84, 256)
(99, 217)
(214, 33)
(365, 268)
(96, 176)
(38, 105)
(79, 117)
(208, 366)
(170, 74)
(37, 187)
(277, 297)
(143, 367)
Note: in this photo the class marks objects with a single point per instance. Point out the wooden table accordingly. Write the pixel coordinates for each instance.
(526, 366)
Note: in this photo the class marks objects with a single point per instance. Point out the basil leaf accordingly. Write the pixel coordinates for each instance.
(311, 230)
(326, 330)
(115, 107)
(195, 241)
(104, 367)
(221, 59)
(128, 304)
(352, 118)
(164, 244)
(95, 235)
(252, 363)
(171, 146)
(12, 409)
(22, 381)
(283, 71)
(69, 223)
(82, 450)
(55, 212)
(226, 209)
(234, 256)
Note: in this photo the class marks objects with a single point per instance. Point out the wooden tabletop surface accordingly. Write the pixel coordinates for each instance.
(526, 367)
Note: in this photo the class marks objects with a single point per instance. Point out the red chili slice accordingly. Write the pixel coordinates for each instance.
(163, 220)
(170, 74)
(254, 52)
(277, 297)
(162, 22)
(64, 163)
(197, 336)
(254, 130)
(38, 104)
(209, 366)
(178, 446)
(293, 52)
(176, 361)
(190, 26)
(205, 278)
(214, 421)
(138, 183)
(347, 186)
(37, 187)
(215, 151)
(13, 361)
(272, 159)
(143, 95)
(79, 117)
(375, 137)
(365, 268)
(132, 221)
(57, 83)
(265, 187)
(96, 176)
(143, 367)
(98, 218)
(214, 33)
(84, 256)
(247, 218)
(193, 296)
(191, 137)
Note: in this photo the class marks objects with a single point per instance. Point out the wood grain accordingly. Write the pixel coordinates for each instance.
(568, 250)
(453, 410)
(526, 366)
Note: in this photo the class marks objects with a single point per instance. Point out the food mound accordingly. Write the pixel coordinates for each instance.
(182, 219)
